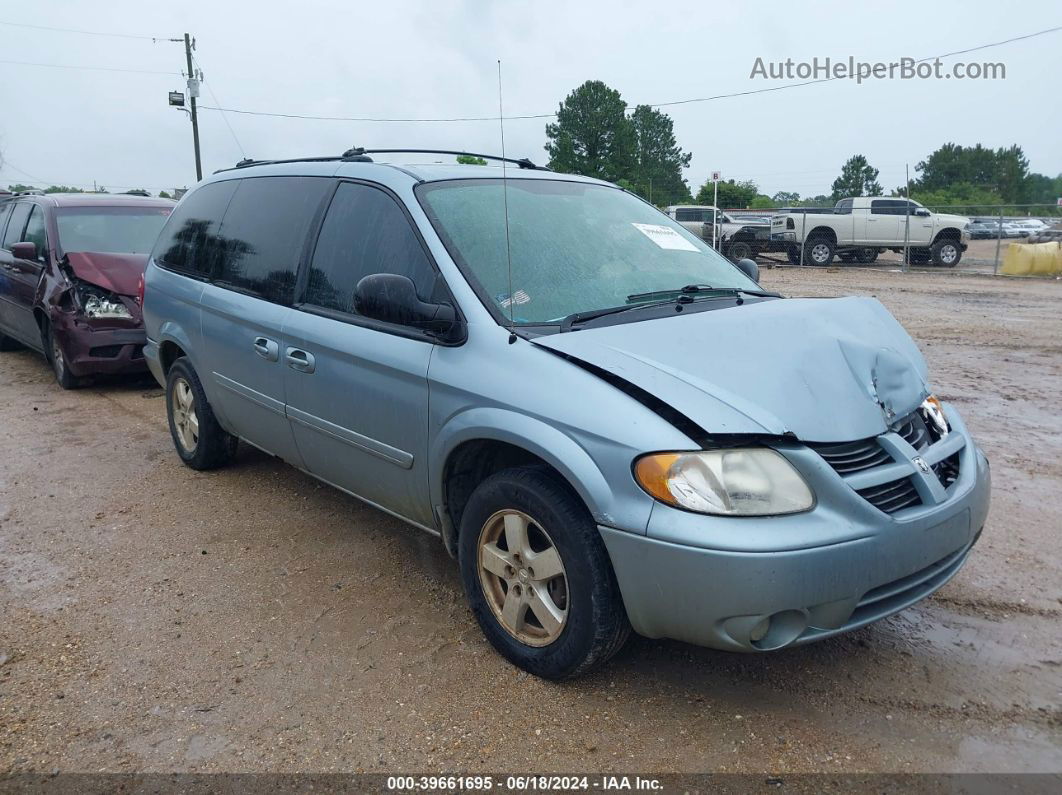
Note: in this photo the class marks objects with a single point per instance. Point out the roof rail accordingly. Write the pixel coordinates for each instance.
(522, 162)
(361, 155)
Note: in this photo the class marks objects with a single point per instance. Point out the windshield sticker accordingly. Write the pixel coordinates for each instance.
(665, 237)
(519, 297)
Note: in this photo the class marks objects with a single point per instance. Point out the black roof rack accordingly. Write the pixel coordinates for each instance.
(361, 155)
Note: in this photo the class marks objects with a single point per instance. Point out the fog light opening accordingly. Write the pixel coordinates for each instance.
(778, 630)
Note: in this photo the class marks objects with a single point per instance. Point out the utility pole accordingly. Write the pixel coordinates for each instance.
(192, 91)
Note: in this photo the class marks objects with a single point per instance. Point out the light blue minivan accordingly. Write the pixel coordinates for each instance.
(608, 424)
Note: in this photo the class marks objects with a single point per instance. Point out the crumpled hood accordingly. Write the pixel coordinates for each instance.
(826, 370)
(119, 273)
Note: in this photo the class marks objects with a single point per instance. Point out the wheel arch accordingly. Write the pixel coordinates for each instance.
(947, 233)
(481, 441)
(822, 231)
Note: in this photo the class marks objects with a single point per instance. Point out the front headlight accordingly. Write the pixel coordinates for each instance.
(751, 481)
(99, 303)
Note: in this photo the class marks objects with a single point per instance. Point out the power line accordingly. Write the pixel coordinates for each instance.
(89, 68)
(224, 117)
(84, 32)
(672, 103)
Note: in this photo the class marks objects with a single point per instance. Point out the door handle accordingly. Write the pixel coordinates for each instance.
(300, 360)
(266, 348)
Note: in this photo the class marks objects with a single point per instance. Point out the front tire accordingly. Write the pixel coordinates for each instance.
(537, 575)
(199, 439)
(946, 253)
(53, 351)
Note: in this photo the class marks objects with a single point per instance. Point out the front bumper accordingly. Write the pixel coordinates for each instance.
(90, 350)
(833, 569)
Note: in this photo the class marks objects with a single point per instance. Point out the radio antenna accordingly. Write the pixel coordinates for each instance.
(505, 201)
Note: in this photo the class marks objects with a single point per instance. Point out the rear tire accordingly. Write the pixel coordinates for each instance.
(547, 525)
(199, 439)
(819, 251)
(865, 256)
(53, 352)
(739, 250)
(946, 253)
(9, 343)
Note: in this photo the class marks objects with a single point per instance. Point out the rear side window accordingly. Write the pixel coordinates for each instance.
(264, 232)
(17, 223)
(844, 207)
(189, 243)
(887, 207)
(365, 232)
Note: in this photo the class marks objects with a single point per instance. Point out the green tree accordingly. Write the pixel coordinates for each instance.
(961, 198)
(20, 188)
(62, 189)
(657, 174)
(471, 160)
(785, 198)
(731, 194)
(164, 195)
(1005, 171)
(858, 178)
(592, 134)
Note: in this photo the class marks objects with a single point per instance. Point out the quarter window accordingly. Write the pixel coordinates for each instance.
(365, 232)
(35, 231)
(189, 243)
(17, 223)
(264, 232)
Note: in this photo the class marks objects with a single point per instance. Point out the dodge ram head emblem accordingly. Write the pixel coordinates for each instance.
(921, 464)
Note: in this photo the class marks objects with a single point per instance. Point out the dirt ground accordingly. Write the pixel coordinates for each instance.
(157, 619)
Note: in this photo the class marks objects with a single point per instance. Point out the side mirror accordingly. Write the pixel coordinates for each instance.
(393, 299)
(24, 250)
(750, 269)
(922, 211)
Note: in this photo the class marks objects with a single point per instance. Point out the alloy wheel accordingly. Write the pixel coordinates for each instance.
(185, 421)
(523, 578)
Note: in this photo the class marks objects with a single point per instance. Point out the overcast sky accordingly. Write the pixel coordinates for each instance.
(439, 59)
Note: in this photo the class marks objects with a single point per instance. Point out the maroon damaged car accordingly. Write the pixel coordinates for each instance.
(71, 266)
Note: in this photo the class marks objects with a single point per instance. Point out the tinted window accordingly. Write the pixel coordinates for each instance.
(887, 207)
(35, 230)
(264, 232)
(189, 242)
(365, 232)
(16, 224)
(690, 215)
(844, 207)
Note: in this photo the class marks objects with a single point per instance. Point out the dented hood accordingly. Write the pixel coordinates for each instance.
(826, 370)
(119, 273)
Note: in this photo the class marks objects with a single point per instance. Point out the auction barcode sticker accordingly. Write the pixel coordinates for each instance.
(665, 237)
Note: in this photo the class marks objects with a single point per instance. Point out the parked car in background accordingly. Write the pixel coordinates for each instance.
(694, 217)
(607, 423)
(70, 267)
(1015, 229)
(866, 223)
(980, 230)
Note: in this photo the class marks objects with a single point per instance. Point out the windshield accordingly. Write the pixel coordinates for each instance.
(575, 247)
(111, 230)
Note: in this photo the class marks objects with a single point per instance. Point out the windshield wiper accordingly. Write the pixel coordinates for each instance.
(693, 289)
(576, 318)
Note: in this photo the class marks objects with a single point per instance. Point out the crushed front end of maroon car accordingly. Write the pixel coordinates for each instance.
(97, 314)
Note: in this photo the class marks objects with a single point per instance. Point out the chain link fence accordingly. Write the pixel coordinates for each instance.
(878, 231)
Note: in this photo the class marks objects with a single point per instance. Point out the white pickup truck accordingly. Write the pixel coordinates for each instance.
(859, 227)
